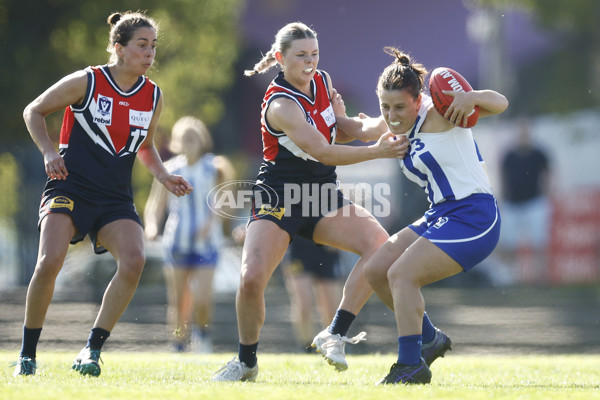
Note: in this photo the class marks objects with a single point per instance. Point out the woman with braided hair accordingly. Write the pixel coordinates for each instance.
(296, 193)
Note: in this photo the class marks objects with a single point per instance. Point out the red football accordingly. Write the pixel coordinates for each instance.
(447, 79)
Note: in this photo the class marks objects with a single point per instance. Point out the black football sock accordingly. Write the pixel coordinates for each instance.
(97, 338)
(247, 354)
(30, 341)
(341, 322)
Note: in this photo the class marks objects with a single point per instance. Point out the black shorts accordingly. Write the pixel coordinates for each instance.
(88, 216)
(296, 210)
(306, 257)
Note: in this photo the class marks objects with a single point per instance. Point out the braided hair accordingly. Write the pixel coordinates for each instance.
(283, 41)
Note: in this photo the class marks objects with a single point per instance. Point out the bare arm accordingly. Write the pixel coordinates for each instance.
(149, 156)
(362, 128)
(489, 102)
(155, 209)
(225, 173)
(69, 90)
(285, 115)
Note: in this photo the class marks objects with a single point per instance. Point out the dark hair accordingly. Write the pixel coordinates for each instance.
(283, 41)
(403, 73)
(123, 25)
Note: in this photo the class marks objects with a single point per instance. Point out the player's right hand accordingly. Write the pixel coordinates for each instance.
(392, 146)
(55, 166)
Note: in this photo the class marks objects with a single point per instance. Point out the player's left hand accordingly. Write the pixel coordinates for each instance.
(460, 109)
(177, 185)
(337, 102)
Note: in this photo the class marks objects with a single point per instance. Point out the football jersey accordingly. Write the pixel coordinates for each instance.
(189, 214)
(447, 165)
(283, 160)
(99, 138)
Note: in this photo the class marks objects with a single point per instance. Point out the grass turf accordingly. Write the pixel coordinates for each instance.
(297, 376)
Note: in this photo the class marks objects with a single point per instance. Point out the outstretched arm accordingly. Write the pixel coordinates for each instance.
(361, 128)
(285, 115)
(489, 102)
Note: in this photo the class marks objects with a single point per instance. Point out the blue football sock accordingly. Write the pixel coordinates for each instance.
(428, 331)
(409, 349)
(341, 322)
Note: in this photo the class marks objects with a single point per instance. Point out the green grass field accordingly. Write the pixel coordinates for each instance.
(297, 376)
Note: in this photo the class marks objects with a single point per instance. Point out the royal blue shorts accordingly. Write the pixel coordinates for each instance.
(88, 216)
(178, 259)
(467, 230)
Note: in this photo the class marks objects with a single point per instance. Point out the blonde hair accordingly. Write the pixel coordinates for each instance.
(189, 124)
(283, 41)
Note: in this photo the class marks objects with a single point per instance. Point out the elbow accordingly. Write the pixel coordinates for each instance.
(27, 112)
(503, 104)
(328, 161)
(324, 157)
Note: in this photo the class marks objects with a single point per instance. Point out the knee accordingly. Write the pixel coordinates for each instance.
(399, 277)
(374, 275)
(132, 264)
(253, 279)
(49, 265)
(372, 242)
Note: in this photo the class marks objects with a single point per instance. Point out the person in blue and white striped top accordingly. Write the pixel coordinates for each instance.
(192, 235)
(462, 225)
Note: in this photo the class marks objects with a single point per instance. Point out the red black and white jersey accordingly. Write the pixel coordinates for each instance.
(283, 160)
(100, 137)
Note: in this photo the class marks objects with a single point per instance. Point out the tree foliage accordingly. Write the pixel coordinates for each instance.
(569, 78)
(46, 40)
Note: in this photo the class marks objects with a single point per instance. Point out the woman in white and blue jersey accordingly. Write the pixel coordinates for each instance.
(462, 225)
(192, 235)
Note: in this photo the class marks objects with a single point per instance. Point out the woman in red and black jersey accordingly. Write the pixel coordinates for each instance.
(296, 193)
(111, 114)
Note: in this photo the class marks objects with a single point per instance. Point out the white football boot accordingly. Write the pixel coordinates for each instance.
(332, 347)
(234, 371)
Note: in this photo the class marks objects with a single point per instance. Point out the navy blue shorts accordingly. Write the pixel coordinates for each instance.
(296, 210)
(88, 216)
(467, 230)
(316, 260)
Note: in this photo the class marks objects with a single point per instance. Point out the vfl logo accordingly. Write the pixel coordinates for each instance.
(104, 107)
(440, 222)
(62, 202)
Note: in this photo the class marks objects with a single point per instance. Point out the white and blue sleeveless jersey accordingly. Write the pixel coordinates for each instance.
(447, 165)
(188, 215)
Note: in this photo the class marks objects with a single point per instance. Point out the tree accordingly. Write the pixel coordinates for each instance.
(43, 40)
(569, 78)
(197, 50)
